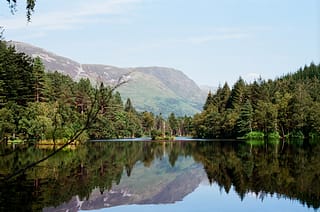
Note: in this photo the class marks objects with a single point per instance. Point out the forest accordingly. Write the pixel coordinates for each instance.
(288, 171)
(36, 105)
(287, 107)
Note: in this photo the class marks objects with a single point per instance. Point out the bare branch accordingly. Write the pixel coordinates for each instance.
(91, 118)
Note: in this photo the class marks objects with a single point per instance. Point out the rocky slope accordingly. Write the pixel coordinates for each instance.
(158, 184)
(155, 89)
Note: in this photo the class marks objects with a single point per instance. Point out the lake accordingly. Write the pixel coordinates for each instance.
(155, 176)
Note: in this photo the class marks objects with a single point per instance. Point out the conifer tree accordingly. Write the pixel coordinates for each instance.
(244, 122)
(16, 73)
(209, 101)
(38, 71)
(237, 96)
(83, 95)
(173, 124)
(128, 107)
(222, 96)
(148, 121)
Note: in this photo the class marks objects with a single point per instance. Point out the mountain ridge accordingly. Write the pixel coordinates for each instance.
(153, 88)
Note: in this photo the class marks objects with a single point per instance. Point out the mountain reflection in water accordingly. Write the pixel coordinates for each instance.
(107, 174)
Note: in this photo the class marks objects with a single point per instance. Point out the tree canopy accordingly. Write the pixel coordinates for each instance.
(39, 105)
(288, 106)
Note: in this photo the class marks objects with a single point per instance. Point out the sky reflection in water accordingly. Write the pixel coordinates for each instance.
(167, 176)
(211, 198)
(205, 197)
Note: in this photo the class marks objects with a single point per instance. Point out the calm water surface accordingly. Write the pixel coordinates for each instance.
(164, 176)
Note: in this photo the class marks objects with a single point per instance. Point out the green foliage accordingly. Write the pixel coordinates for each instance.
(17, 76)
(254, 135)
(162, 91)
(147, 122)
(285, 106)
(273, 135)
(7, 124)
(155, 134)
(173, 124)
(238, 95)
(128, 107)
(282, 170)
(244, 122)
(43, 106)
(296, 134)
(209, 102)
(39, 84)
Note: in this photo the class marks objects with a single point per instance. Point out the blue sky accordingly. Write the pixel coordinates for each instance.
(211, 41)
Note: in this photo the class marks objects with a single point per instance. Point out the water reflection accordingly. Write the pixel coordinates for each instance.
(107, 174)
(158, 184)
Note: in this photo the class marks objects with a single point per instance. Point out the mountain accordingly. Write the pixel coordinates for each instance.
(156, 89)
(158, 184)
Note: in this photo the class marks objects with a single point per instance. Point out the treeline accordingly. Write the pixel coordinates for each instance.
(289, 171)
(42, 106)
(280, 169)
(286, 107)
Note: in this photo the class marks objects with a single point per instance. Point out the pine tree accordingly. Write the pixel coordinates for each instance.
(116, 99)
(128, 107)
(299, 108)
(244, 122)
(173, 124)
(209, 101)
(222, 96)
(16, 72)
(237, 96)
(38, 71)
(83, 95)
(3, 50)
(147, 122)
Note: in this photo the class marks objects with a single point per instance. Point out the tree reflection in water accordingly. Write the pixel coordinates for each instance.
(290, 171)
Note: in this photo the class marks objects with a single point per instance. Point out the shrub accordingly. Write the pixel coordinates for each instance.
(254, 135)
(274, 135)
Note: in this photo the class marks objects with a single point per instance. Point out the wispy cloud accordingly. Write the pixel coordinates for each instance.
(93, 11)
(211, 36)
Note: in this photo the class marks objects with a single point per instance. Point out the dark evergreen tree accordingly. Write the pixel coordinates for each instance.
(16, 72)
(84, 95)
(209, 101)
(148, 122)
(244, 122)
(128, 107)
(299, 108)
(221, 97)
(238, 94)
(39, 84)
(287, 106)
(173, 124)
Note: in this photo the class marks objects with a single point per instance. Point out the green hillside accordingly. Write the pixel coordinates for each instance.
(155, 89)
(149, 94)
